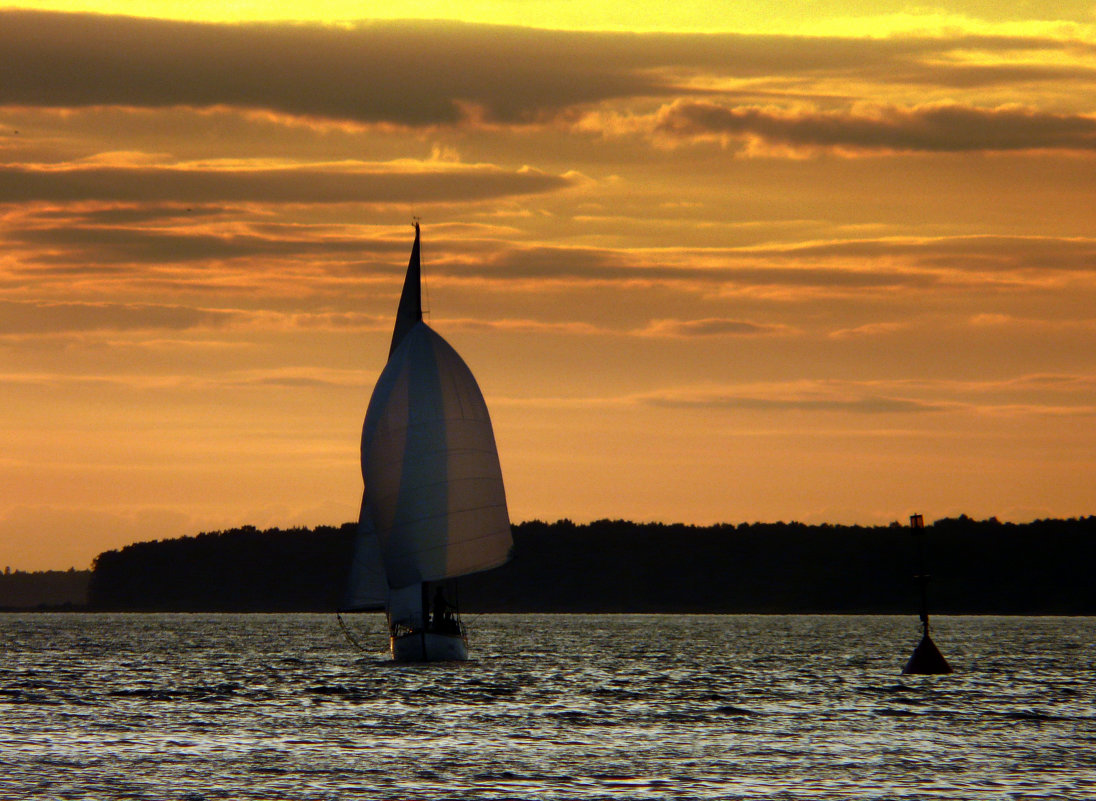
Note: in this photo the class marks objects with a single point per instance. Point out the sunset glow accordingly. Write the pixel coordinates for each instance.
(763, 266)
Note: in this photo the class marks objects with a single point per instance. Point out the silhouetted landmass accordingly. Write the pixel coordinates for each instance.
(245, 570)
(46, 589)
(977, 567)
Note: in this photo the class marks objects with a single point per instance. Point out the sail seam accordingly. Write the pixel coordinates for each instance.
(447, 513)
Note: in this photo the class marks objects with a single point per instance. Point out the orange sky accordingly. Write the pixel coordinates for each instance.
(827, 267)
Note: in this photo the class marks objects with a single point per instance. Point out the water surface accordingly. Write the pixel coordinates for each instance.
(552, 707)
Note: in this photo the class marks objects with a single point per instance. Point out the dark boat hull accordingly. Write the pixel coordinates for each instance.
(429, 647)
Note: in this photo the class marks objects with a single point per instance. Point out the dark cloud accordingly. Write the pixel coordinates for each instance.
(86, 238)
(592, 264)
(967, 253)
(38, 318)
(431, 73)
(276, 185)
(65, 318)
(131, 214)
(936, 128)
(407, 73)
(744, 267)
(131, 245)
(974, 76)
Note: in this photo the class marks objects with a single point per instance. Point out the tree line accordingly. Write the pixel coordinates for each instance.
(43, 589)
(976, 567)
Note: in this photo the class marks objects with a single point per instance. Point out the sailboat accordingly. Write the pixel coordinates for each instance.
(926, 658)
(434, 506)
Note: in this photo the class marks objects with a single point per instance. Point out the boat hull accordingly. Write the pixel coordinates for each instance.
(429, 647)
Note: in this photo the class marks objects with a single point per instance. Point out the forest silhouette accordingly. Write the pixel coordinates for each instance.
(977, 567)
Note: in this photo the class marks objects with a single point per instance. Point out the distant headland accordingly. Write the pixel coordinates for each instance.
(977, 567)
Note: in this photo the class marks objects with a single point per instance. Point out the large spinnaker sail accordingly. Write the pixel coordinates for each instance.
(433, 484)
(366, 585)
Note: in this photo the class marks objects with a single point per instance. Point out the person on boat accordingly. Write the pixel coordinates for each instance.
(443, 613)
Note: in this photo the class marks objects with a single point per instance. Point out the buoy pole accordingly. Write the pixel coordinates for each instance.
(917, 527)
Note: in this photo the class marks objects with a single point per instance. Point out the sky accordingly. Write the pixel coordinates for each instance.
(827, 262)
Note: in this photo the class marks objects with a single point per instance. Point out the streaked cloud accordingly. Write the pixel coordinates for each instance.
(866, 404)
(933, 128)
(869, 330)
(61, 247)
(1039, 395)
(242, 182)
(287, 377)
(517, 326)
(133, 245)
(45, 318)
(664, 328)
(710, 327)
(1007, 321)
(53, 318)
(300, 378)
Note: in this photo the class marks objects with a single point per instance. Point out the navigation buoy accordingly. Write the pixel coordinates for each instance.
(926, 658)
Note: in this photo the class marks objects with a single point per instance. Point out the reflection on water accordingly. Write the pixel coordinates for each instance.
(553, 706)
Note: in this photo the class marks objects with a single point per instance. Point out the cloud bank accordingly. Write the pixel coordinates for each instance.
(420, 74)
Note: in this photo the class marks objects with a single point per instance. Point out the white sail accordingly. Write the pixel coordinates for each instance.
(433, 483)
(367, 585)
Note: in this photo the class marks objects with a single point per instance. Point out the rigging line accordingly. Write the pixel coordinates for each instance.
(423, 283)
(349, 635)
(466, 622)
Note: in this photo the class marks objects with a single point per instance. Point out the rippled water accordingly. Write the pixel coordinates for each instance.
(552, 707)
